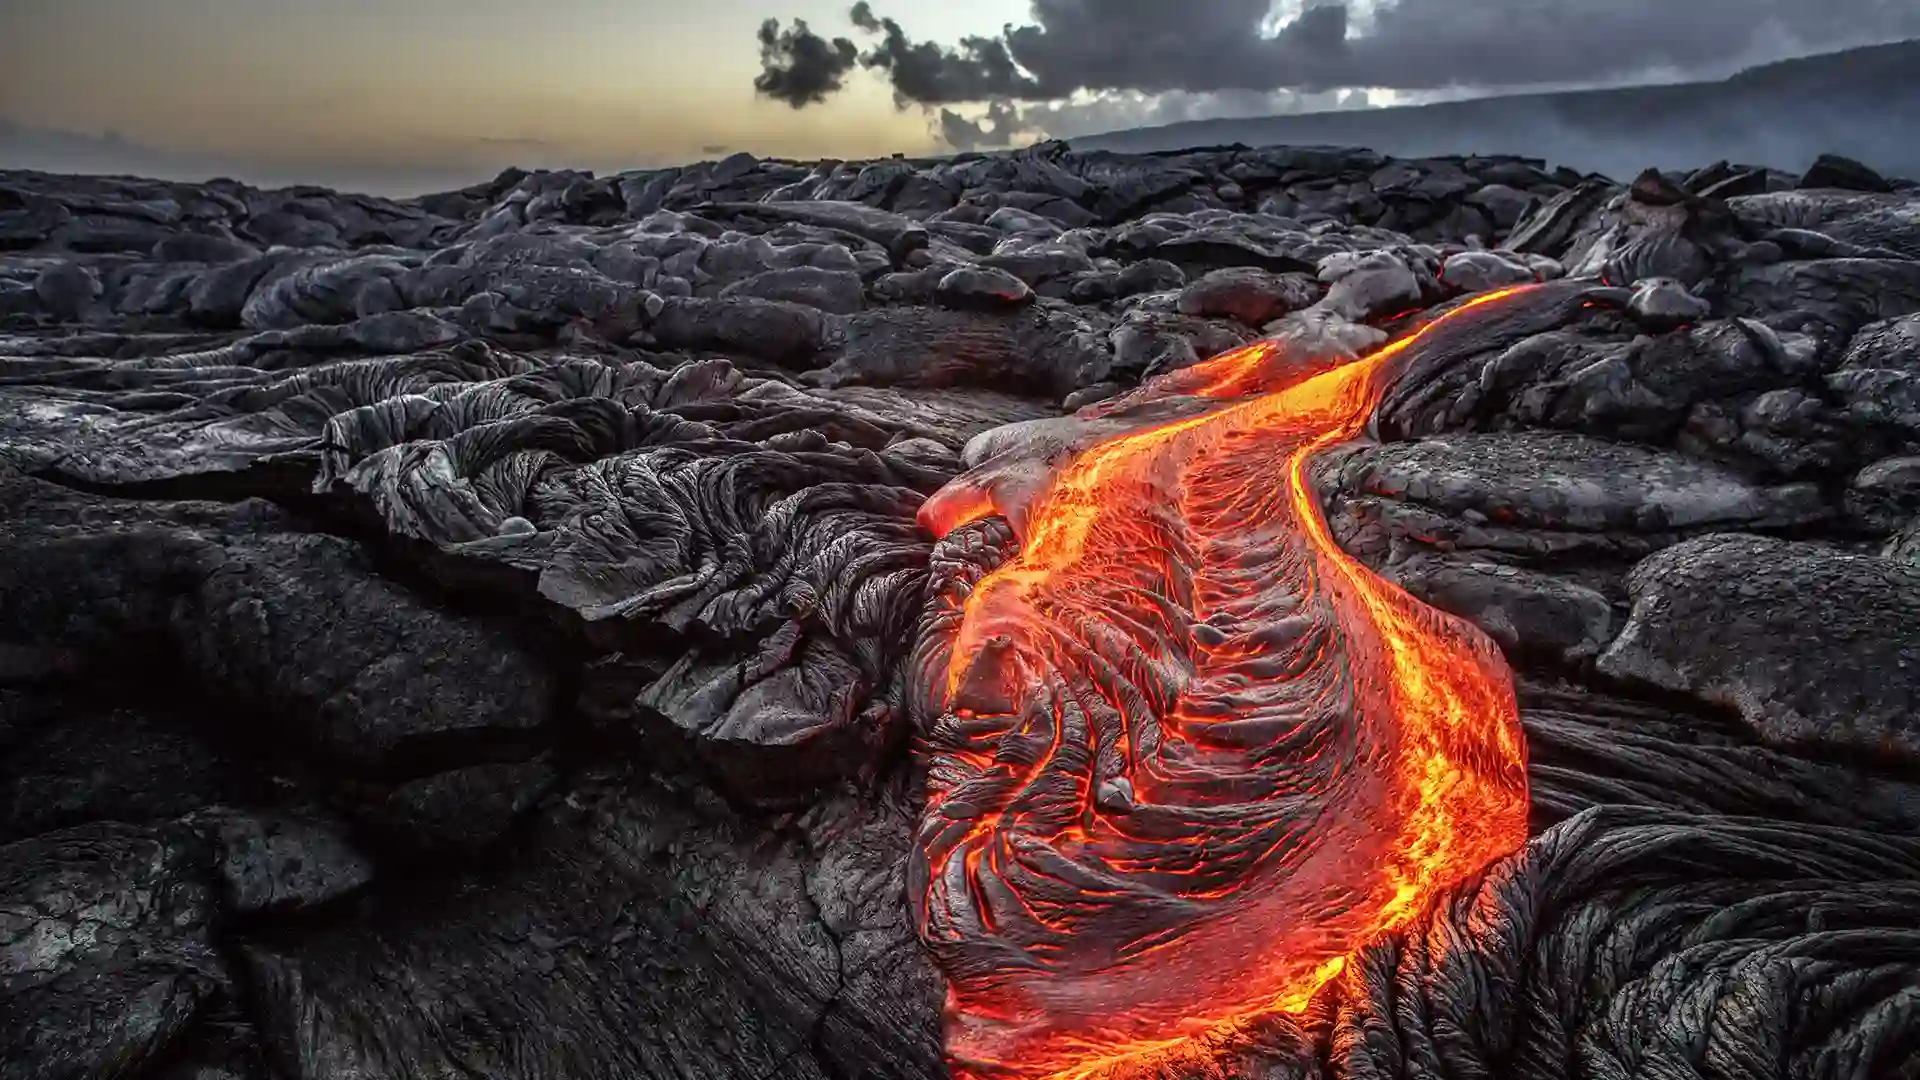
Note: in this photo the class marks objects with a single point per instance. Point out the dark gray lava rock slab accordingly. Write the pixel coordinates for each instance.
(283, 861)
(297, 626)
(1813, 646)
(1574, 483)
(647, 932)
(1254, 297)
(105, 954)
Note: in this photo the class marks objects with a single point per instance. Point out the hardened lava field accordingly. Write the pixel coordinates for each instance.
(1193, 755)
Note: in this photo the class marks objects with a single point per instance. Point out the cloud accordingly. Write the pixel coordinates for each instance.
(1080, 47)
(994, 129)
(798, 66)
(928, 74)
(1121, 110)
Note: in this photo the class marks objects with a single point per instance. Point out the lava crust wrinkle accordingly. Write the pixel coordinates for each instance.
(1188, 755)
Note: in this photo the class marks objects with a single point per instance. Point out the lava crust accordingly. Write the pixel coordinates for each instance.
(535, 632)
(1193, 754)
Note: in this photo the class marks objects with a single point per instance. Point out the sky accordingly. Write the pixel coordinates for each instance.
(470, 86)
(415, 94)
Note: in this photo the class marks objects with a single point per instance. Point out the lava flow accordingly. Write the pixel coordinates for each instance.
(1193, 755)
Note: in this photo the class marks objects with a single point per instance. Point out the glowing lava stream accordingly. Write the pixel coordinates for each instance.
(1193, 754)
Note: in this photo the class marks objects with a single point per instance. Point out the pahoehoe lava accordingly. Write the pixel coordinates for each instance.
(503, 633)
(1193, 754)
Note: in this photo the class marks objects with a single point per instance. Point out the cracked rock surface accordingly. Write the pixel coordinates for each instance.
(477, 634)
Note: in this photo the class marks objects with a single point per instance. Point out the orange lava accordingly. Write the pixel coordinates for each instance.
(1193, 754)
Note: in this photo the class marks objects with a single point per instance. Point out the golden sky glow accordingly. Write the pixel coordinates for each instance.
(444, 83)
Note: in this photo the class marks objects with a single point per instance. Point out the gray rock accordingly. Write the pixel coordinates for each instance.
(984, 287)
(1254, 297)
(1886, 494)
(283, 861)
(839, 292)
(1039, 348)
(402, 332)
(773, 330)
(1040, 263)
(1835, 171)
(1661, 304)
(105, 950)
(1479, 271)
(1525, 611)
(1503, 204)
(1013, 220)
(1369, 287)
(202, 248)
(1148, 276)
(104, 764)
(66, 290)
(1812, 646)
(1574, 483)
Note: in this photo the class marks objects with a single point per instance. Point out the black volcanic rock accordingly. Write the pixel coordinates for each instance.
(986, 287)
(483, 633)
(1813, 646)
(106, 954)
(1251, 296)
(1835, 171)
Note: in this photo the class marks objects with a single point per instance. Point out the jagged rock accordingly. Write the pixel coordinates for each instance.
(1548, 229)
(1823, 654)
(293, 624)
(1505, 206)
(650, 930)
(1834, 171)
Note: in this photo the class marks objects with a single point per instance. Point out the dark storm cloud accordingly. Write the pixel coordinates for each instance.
(989, 131)
(1154, 46)
(979, 69)
(798, 66)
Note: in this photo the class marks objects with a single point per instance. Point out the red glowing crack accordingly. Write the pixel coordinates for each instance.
(1193, 755)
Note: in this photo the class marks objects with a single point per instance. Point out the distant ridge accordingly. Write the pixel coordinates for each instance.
(1863, 103)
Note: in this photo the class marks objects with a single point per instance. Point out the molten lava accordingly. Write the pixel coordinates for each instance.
(1193, 755)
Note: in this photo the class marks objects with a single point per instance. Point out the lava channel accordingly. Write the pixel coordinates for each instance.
(1192, 755)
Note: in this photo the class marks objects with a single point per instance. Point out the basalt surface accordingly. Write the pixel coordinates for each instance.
(832, 620)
